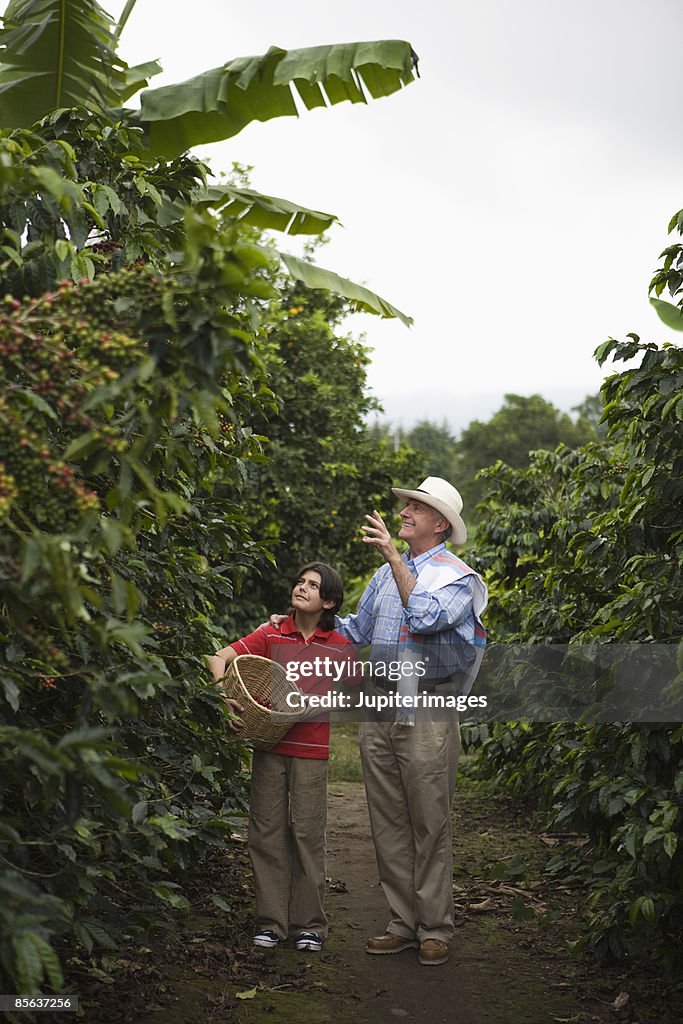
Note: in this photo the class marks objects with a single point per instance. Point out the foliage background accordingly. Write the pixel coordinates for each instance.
(173, 415)
(323, 471)
(522, 425)
(147, 414)
(585, 546)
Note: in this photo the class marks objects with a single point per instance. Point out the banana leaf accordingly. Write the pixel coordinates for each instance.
(220, 103)
(58, 53)
(358, 296)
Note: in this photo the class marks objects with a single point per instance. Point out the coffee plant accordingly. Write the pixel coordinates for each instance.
(78, 195)
(146, 348)
(122, 539)
(586, 546)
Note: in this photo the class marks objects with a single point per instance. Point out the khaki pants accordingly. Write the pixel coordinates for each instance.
(410, 780)
(287, 820)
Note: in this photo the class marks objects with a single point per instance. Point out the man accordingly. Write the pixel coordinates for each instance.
(421, 608)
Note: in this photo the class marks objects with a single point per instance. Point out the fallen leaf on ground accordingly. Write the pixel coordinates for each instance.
(247, 994)
(479, 908)
(621, 1001)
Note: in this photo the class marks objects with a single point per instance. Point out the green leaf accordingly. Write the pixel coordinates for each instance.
(169, 825)
(119, 592)
(87, 738)
(122, 768)
(219, 103)
(87, 931)
(35, 748)
(221, 903)
(125, 15)
(513, 868)
(64, 191)
(83, 446)
(670, 843)
(137, 77)
(56, 53)
(29, 962)
(36, 401)
(139, 812)
(50, 961)
(521, 911)
(603, 351)
(83, 935)
(11, 692)
(174, 899)
(64, 250)
(615, 805)
(675, 221)
(133, 636)
(633, 912)
(255, 208)
(112, 532)
(359, 297)
(669, 314)
(32, 559)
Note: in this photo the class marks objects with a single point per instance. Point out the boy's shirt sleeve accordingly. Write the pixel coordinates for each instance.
(257, 642)
(347, 657)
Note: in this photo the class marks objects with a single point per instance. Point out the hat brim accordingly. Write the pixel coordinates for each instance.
(459, 535)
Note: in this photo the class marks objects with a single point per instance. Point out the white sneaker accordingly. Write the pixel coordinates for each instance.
(309, 940)
(266, 938)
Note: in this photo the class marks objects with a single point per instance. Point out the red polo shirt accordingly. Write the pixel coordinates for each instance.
(287, 644)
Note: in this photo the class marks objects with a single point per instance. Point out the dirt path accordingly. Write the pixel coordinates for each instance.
(510, 962)
(490, 977)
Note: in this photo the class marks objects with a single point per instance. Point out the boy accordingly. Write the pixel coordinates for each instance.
(288, 807)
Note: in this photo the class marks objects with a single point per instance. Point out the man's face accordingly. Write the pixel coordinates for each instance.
(306, 594)
(421, 525)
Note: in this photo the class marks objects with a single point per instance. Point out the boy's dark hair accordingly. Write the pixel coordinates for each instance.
(331, 589)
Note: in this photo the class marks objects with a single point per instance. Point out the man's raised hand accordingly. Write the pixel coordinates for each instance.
(377, 534)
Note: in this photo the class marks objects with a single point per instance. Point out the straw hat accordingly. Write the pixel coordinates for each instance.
(442, 496)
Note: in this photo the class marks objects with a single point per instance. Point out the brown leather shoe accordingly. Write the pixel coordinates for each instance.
(433, 951)
(389, 943)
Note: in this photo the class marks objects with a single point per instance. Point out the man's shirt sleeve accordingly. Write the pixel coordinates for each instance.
(358, 626)
(254, 643)
(442, 609)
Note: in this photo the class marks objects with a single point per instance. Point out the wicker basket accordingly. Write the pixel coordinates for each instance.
(250, 678)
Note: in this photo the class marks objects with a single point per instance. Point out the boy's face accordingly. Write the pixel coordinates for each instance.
(306, 594)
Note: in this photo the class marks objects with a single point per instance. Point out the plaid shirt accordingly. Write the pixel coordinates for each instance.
(441, 624)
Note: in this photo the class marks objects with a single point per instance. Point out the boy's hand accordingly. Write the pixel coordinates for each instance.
(235, 725)
(310, 713)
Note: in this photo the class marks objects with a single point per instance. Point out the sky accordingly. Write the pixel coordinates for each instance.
(514, 200)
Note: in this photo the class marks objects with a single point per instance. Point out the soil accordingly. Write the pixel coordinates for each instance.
(510, 961)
